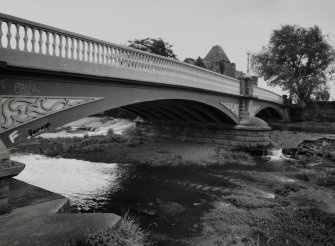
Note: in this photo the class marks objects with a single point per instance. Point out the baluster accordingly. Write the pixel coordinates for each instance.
(124, 58)
(95, 56)
(9, 35)
(108, 54)
(78, 49)
(146, 62)
(140, 61)
(17, 37)
(108, 49)
(127, 56)
(102, 54)
(25, 39)
(136, 58)
(66, 47)
(121, 57)
(97, 53)
(60, 45)
(88, 51)
(99, 57)
(40, 41)
(33, 40)
(1, 34)
(92, 53)
(133, 60)
(114, 57)
(72, 48)
(47, 43)
(54, 44)
(83, 50)
(118, 57)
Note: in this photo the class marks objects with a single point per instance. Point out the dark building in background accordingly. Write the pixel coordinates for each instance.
(217, 61)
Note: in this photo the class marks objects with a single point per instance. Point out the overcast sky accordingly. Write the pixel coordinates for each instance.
(192, 26)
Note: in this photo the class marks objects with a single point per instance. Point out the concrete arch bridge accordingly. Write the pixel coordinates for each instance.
(49, 77)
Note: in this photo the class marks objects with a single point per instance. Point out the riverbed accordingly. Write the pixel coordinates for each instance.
(183, 194)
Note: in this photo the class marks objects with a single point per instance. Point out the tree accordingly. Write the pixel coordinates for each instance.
(156, 46)
(299, 60)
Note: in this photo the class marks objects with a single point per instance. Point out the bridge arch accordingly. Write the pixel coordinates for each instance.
(180, 110)
(269, 112)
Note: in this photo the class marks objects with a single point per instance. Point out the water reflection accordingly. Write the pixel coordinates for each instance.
(83, 182)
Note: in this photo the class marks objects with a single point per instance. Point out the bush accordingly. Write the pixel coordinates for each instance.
(225, 154)
(125, 233)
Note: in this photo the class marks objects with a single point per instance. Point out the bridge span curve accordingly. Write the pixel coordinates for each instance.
(53, 76)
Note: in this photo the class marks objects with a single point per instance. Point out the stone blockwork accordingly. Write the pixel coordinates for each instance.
(208, 133)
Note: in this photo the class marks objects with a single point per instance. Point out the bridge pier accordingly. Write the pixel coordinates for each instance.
(8, 169)
(247, 136)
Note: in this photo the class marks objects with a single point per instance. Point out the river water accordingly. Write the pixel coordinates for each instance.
(168, 200)
(84, 183)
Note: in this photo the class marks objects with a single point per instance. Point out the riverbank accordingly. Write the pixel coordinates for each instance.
(218, 197)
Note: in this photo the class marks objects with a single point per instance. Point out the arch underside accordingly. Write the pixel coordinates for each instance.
(269, 113)
(178, 110)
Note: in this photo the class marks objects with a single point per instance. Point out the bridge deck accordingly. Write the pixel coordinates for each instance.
(28, 44)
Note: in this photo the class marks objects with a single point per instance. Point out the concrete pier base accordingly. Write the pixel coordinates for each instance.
(246, 136)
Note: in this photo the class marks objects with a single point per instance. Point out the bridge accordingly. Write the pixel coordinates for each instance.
(49, 77)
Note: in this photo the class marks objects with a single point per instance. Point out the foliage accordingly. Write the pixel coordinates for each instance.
(269, 226)
(225, 154)
(156, 46)
(125, 233)
(299, 60)
(287, 188)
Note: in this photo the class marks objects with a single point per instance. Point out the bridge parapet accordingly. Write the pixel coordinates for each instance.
(267, 95)
(29, 44)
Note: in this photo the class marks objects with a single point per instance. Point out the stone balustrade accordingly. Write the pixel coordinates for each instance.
(19, 37)
(267, 95)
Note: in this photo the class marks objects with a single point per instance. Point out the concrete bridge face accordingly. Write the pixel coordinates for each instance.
(33, 101)
(49, 77)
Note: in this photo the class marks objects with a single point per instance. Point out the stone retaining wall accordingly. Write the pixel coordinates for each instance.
(217, 134)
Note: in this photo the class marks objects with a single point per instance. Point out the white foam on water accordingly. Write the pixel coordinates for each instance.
(117, 125)
(277, 154)
(76, 179)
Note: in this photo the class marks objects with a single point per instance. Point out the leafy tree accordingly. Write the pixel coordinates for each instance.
(156, 46)
(299, 60)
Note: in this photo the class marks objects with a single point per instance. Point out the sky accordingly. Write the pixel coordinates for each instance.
(192, 26)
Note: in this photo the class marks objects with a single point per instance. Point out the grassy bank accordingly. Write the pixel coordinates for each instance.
(126, 233)
(133, 148)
